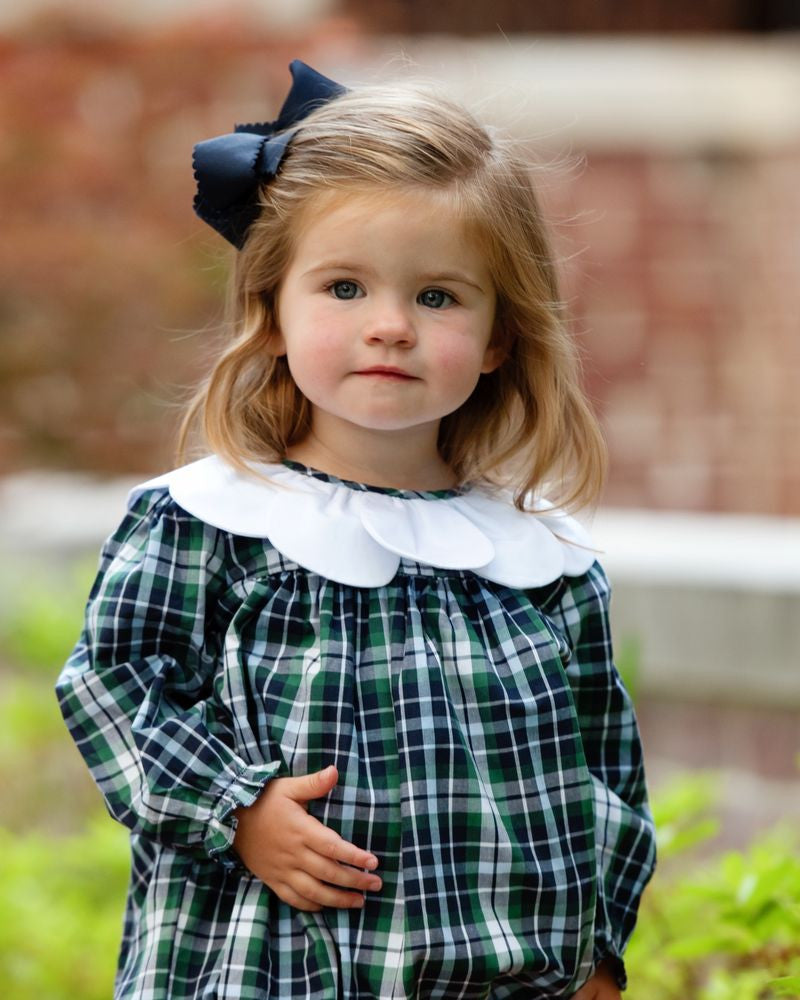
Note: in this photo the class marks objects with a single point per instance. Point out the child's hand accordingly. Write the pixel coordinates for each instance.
(296, 855)
(602, 986)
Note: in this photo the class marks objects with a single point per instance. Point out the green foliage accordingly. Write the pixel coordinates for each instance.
(29, 719)
(683, 814)
(41, 620)
(728, 928)
(61, 906)
(45, 783)
(628, 657)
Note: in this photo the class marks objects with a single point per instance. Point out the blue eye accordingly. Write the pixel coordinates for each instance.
(344, 289)
(434, 298)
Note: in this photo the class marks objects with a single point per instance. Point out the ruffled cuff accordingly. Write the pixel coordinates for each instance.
(241, 791)
(614, 962)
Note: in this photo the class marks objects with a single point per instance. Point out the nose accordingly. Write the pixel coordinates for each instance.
(390, 323)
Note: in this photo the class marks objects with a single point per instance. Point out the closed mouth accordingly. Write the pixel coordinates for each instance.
(386, 371)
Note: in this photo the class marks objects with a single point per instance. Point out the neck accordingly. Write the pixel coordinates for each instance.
(404, 460)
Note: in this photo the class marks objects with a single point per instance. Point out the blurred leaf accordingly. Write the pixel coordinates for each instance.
(682, 814)
(29, 717)
(724, 928)
(785, 986)
(41, 621)
(627, 658)
(61, 904)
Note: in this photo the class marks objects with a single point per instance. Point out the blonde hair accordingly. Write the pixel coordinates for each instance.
(527, 423)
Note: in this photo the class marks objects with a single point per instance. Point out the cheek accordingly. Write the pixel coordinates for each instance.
(325, 327)
(459, 359)
(315, 359)
(324, 349)
(315, 334)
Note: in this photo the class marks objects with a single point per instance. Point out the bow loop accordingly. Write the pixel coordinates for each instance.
(224, 168)
(229, 168)
(272, 152)
(309, 90)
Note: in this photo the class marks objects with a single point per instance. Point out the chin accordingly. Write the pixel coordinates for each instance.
(388, 426)
(383, 421)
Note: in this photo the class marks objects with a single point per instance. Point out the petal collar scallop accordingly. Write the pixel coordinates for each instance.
(358, 536)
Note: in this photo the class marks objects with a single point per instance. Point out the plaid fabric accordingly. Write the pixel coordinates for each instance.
(488, 755)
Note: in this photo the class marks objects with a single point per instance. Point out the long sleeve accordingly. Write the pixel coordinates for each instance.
(623, 824)
(137, 693)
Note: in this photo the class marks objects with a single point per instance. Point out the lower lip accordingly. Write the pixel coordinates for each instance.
(391, 376)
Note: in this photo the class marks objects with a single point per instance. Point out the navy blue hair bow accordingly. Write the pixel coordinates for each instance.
(230, 168)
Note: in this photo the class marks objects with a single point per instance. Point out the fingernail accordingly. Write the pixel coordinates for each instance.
(372, 862)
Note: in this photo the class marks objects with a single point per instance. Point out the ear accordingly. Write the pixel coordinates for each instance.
(497, 349)
(276, 344)
(274, 341)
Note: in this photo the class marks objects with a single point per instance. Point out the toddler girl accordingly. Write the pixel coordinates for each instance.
(348, 679)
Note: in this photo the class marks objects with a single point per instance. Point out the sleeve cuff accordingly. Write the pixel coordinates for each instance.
(615, 964)
(242, 791)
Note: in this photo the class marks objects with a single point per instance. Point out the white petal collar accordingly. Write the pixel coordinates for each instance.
(358, 536)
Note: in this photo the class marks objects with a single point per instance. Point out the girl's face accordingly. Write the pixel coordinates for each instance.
(386, 312)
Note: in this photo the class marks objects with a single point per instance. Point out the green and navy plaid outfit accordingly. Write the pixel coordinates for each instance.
(488, 756)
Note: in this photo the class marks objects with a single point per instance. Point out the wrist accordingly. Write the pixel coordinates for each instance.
(239, 819)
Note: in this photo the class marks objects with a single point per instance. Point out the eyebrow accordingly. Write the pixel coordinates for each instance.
(344, 265)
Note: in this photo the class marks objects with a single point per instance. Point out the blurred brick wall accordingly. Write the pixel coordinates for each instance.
(478, 17)
(110, 287)
(687, 297)
(677, 221)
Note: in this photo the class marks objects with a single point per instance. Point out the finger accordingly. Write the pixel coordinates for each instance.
(288, 895)
(322, 840)
(311, 786)
(319, 892)
(338, 874)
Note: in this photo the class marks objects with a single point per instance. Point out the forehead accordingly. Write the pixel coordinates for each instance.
(419, 217)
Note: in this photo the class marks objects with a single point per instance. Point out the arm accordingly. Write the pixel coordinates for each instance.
(136, 693)
(624, 826)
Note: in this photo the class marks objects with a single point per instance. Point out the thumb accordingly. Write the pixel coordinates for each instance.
(313, 786)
